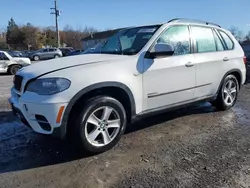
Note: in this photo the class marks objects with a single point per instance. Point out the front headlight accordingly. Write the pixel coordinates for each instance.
(48, 86)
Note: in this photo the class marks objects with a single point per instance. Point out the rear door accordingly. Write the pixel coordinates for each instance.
(209, 58)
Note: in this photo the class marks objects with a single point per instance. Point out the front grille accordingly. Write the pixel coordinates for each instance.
(18, 82)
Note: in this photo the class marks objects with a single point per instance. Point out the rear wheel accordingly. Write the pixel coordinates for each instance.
(228, 93)
(101, 124)
(14, 68)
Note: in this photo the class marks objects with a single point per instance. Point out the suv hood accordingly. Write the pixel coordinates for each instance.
(40, 68)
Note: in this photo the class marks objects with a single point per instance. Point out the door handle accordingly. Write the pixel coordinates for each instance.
(189, 64)
(226, 59)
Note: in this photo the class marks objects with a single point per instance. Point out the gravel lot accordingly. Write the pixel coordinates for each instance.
(193, 147)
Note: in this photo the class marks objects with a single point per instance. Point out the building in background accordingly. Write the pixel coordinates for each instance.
(95, 38)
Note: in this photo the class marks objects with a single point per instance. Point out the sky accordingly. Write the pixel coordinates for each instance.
(104, 14)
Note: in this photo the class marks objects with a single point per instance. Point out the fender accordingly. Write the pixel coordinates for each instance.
(61, 131)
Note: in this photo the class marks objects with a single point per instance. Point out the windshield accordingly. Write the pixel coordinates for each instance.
(129, 41)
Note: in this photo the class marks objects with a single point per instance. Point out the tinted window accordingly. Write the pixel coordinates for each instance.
(219, 44)
(204, 39)
(52, 50)
(227, 40)
(3, 56)
(44, 50)
(178, 38)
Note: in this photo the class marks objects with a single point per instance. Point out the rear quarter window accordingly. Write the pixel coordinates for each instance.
(228, 41)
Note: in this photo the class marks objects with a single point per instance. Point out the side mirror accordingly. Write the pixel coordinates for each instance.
(161, 50)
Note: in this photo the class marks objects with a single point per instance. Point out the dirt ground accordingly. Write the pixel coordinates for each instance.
(194, 147)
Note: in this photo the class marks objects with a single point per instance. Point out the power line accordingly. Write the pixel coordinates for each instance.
(56, 12)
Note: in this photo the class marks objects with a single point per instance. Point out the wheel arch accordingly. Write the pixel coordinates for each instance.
(62, 131)
(236, 72)
(11, 65)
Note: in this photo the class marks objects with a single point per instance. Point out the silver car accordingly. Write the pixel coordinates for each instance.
(46, 53)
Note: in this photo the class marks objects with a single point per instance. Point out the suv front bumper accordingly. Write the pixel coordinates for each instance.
(43, 118)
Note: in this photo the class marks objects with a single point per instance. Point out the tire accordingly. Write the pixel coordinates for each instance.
(36, 58)
(84, 129)
(56, 56)
(14, 68)
(223, 102)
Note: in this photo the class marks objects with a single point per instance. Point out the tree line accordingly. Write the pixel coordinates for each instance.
(30, 37)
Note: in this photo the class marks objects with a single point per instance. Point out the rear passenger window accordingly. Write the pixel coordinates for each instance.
(178, 37)
(204, 39)
(218, 41)
(227, 40)
(51, 50)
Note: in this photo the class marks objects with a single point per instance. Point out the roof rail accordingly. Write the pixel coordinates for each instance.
(193, 21)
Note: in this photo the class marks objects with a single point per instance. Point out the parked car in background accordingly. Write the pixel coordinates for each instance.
(75, 52)
(26, 53)
(140, 71)
(66, 50)
(15, 53)
(246, 48)
(45, 53)
(11, 65)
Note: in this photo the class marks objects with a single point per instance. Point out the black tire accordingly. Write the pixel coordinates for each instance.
(36, 58)
(89, 107)
(14, 68)
(56, 56)
(220, 103)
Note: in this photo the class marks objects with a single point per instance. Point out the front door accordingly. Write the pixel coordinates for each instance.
(170, 80)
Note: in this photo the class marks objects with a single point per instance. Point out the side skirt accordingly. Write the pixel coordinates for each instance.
(172, 107)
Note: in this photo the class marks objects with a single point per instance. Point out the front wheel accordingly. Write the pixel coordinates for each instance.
(228, 93)
(57, 56)
(101, 124)
(36, 58)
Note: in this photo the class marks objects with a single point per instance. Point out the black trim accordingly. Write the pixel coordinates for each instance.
(61, 131)
(160, 94)
(175, 106)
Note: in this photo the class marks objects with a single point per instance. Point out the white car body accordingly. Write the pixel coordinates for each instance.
(150, 84)
(8, 61)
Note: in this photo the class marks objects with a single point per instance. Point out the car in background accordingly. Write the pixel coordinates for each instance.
(26, 53)
(15, 53)
(75, 52)
(66, 50)
(246, 48)
(46, 53)
(10, 64)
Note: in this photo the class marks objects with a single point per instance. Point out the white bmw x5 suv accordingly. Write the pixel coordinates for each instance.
(139, 70)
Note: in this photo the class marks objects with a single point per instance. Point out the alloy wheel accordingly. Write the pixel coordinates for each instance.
(102, 126)
(229, 92)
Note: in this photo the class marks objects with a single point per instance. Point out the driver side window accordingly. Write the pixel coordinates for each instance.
(178, 38)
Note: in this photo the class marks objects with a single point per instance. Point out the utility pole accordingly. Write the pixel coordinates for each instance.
(56, 12)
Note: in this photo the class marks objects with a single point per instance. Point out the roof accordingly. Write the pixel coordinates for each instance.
(101, 35)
